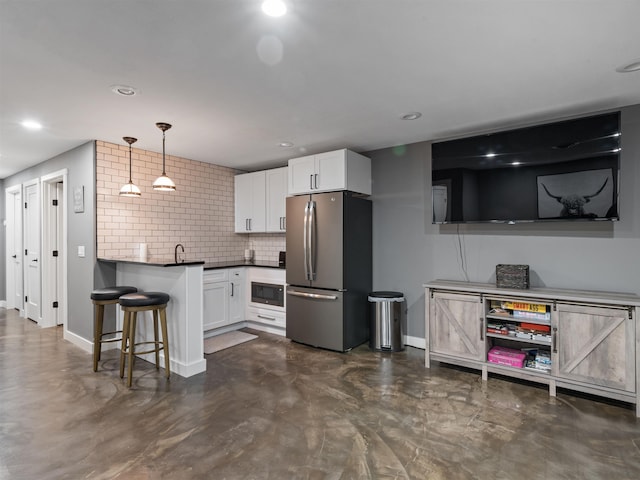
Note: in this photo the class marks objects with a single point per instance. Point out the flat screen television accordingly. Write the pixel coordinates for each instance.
(561, 171)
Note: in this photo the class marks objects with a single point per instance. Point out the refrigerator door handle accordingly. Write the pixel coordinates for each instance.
(312, 240)
(312, 295)
(305, 240)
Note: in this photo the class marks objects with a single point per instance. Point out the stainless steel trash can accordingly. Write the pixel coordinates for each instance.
(387, 321)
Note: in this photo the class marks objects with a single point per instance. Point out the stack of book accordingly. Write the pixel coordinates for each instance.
(532, 311)
(539, 360)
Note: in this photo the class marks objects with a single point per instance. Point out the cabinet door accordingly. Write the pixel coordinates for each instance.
(595, 345)
(250, 195)
(216, 305)
(236, 296)
(457, 325)
(331, 171)
(301, 174)
(276, 181)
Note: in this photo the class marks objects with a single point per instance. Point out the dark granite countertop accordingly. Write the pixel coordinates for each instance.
(241, 263)
(165, 262)
(157, 262)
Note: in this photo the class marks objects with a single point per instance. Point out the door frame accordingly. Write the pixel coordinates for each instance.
(51, 235)
(14, 224)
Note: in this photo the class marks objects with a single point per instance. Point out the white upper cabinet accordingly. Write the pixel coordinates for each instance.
(276, 184)
(260, 199)
(330, 171)
(250, 192)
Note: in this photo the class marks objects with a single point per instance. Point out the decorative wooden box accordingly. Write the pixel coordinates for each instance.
(512, 276)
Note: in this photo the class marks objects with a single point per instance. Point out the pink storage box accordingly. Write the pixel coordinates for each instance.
(506, 356)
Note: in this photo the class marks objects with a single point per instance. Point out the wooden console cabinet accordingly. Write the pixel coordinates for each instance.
(590, 338)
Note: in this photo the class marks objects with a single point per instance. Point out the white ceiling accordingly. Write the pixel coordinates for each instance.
(330, 74)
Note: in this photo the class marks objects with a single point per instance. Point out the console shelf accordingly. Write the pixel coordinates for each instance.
(580, 340)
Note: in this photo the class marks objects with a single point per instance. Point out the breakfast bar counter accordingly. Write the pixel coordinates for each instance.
(183, 282)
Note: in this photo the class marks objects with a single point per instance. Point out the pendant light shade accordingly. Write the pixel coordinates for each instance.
(129, 189)
(163, 183)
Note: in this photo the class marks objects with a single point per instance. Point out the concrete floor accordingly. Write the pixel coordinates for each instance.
(271, 409)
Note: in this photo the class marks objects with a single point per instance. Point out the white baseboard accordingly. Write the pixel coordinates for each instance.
(416, 342)
(266, 328)
(226, 329)
(3, 304)
(78, 341)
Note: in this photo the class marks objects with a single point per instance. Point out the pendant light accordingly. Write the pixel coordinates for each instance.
(164, 183)
(129, 189)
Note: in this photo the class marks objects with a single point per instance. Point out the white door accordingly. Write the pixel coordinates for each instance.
(59, 248)
(52, 259)
(14, 250)
(32, 250)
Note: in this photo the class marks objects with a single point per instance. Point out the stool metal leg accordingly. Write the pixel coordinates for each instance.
(165, 339)
(125, 340)
(132, 343)
(155, 338)
(97, 335)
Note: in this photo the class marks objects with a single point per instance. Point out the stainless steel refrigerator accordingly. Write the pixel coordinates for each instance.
(328, 269)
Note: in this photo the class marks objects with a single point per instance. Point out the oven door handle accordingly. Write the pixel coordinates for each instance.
(317, 296)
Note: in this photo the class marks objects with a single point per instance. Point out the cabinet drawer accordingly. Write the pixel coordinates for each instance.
(266, 316)
(212, 276)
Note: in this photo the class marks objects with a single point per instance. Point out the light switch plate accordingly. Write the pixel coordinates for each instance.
(81, 250)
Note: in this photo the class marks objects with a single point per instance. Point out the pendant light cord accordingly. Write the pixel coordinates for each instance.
(130, 179)
(163, 169)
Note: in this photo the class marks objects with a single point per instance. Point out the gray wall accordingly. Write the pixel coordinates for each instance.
(3, 236)
(409, 251)
(80, 163)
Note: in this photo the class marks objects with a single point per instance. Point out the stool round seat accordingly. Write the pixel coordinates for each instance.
(132, 304)
(143, 299)
(111, 293)
(100, 298)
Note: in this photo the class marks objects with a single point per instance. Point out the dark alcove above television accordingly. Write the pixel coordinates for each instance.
(567, 170)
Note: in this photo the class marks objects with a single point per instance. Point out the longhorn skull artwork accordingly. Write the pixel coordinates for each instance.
(573, 203)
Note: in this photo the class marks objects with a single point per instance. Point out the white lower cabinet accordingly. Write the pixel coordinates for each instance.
(267, 317)
(224, 300)
(262, 316)
(227, 300)
(580, 340)
(236, 295)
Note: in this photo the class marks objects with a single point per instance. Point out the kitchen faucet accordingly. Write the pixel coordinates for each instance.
(175, 253)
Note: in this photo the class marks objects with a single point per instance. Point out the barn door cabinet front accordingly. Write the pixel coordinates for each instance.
(457, 325)
(595, 345)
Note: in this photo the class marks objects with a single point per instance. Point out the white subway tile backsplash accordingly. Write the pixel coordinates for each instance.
(200, 214)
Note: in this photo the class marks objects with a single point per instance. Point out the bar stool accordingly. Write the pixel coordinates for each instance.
(131, 304)
(100, 298)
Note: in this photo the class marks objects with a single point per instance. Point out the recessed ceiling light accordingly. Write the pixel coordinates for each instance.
(32, 125)
(516, 163)
(411, 116)
(285, 144)
(633, 66)
(274, 8)
(490, 155)
(124, 90)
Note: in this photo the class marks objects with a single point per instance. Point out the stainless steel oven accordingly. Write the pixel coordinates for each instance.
(267, 294)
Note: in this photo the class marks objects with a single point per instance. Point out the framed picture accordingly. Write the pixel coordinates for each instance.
(584, 194)
(78, 199)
